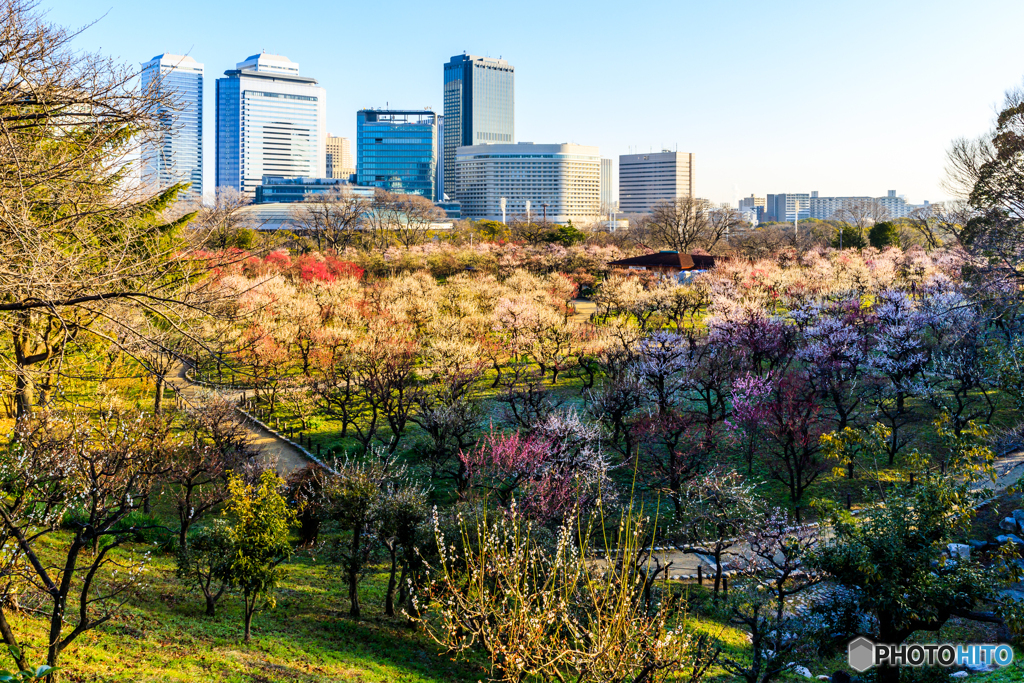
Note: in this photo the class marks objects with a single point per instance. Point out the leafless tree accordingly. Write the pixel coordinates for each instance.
(418, 215)
(332, 218)
(939, 224)
(383, 219)
(862, 213)
(685, 223)
(225, 218)
(723, 222)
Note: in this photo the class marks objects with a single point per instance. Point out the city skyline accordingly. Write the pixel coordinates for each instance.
(846, 132)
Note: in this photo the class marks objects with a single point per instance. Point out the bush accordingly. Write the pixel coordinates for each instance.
(149, 529)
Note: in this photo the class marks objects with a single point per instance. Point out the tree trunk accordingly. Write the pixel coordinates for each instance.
(353, 574)
(211, 606)
(158, 398)
(25, 396)
(389, 600)
(250, 607)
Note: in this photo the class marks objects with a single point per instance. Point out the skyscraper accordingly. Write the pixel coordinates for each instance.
(440, 158)
(647, 179)
(270, 121)
(479, 103)
(175, 154)
(395, 150)
(606, 185)
(339, 158)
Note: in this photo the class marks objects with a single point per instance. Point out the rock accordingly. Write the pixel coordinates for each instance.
(1008, 524)
(1019, 516)
(802, 671)
(977, 545)
(959, 674)
(1009, 538)
(959, 550)
(823, 677)
(980, 668)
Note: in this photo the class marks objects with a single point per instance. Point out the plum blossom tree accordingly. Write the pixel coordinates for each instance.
(774, 570)
(720, 507)
(555, 468)
(900, 356)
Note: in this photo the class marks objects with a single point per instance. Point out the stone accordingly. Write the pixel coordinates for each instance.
(802, 671)
(959, 550)
(977, 545)
(823, 677)
(1016, 540)
(1019, 516)
(959, 674)
(980, 667)
(1008, 524)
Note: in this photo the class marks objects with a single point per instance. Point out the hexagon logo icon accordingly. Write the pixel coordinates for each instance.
(861, 654)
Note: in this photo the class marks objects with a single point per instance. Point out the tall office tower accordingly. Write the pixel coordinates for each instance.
(561, 182)
(396, 150)
(479, 103)
(339, 158)
(270, 121)
(175, 154)
(606, 185)
(439, 155)
(647, 179)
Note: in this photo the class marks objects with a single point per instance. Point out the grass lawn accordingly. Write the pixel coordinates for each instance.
(163, 635)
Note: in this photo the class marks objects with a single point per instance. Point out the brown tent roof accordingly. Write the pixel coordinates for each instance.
(668, 259)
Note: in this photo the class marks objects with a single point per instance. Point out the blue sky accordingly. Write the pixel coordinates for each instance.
(841, 97)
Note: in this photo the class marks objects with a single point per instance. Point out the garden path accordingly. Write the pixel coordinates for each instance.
(273, 449)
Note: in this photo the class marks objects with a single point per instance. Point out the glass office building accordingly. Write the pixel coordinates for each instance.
(479, 100)
(270, 121)
(175, 153)
(396, 151)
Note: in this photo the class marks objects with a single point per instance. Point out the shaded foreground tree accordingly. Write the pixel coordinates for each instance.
(891, 556)
(773, 571)
(987, 174)
(204, 563)
(59, 472)
(77, 235)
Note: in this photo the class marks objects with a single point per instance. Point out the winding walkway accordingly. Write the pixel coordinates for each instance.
(274, 449)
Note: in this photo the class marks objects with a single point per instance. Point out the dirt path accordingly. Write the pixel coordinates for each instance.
(584, 309)
(273, 449)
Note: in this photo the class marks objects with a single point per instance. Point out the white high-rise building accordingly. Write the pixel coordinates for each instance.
(648, 179)
(175, 153)
(562, 183)
(606, 185)
(270, 121)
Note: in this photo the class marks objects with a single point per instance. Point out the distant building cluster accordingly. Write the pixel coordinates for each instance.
(789, 207)
(272, 146)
